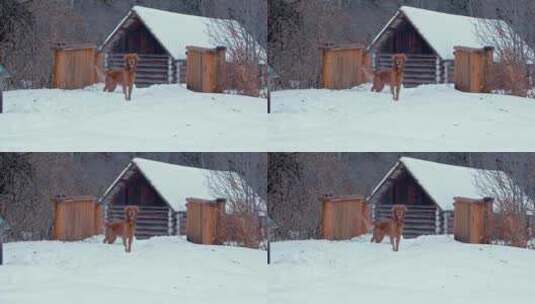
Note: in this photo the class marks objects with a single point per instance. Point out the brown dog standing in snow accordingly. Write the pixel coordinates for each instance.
(125, 228)
(392, 77)
(125, 76)
(392, 227)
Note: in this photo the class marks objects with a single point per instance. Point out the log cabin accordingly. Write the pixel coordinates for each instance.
(429, 38)
(428, 190)
(161, 191)
(160, 39)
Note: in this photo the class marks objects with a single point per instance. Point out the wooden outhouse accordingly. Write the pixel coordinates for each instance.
(473, 219)
(343, 218)
(206, 69)
(204, 221)
(473, 68)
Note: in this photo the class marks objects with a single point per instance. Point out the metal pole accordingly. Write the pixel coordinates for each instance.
(268, 253)
(1, 101)
(1, 252)
(268, 102)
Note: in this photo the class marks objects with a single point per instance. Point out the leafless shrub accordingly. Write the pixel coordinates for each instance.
(27, 53)
(242, 181)
(513, 38)
(512, 190)
(242, 229)
(243, 33)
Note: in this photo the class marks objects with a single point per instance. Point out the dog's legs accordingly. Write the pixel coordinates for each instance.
(125, 244)
(379, 237)
(392, 242)
(393, 91)
(130, 87)
(397, 243)
(398, 90)
(125, 91)
(112, 239)
(130, 240)
(380, 87)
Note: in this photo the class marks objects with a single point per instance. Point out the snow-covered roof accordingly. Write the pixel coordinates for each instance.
(440, 181)
(174, 31)
(174, 183)
(444, 31)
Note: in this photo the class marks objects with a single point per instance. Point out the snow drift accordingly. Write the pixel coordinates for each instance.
(159, 270)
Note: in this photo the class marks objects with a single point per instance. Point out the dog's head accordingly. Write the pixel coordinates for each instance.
(130, 213)
(131, 61)
(399, 60)
(398, 212)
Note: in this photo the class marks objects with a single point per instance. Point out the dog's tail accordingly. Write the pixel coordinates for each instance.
(368, 73)
(101, 77)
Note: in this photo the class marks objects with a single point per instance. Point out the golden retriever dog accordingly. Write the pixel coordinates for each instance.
(392, 227)
(392, 77)
(126, 76)
(125, 229)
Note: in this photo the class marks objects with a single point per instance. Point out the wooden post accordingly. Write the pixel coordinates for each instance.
(445, 217)
(170, 225)
(169, 70)
(437, 69)
(178, 65)
(446, 71)
(177, 223)
(437, 221)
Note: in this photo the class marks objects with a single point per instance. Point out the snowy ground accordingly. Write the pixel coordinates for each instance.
(171, 118)
(159, 118)
(428, 118)
(160, 270)
(432, 269)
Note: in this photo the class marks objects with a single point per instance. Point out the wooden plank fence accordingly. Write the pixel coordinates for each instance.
(152, 69)
(343, 218)
(473, 220)
(76, 218)
(151, 221)
(74, 66)
(342, 66)
(419, 220)
(419, 69)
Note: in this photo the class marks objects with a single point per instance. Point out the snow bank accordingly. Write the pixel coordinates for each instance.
(427, 118)
(433, 269)
(158, 119)
(159, 270)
